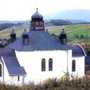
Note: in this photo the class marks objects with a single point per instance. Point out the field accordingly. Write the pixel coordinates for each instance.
(76, 33)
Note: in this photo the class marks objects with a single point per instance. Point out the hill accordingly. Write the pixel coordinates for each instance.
(57, 22)
(76, 33)
(72, 15)
(8, 24)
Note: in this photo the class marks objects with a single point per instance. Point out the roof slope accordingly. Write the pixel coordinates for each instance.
(39, 40)
(11, 62)
(77, 51)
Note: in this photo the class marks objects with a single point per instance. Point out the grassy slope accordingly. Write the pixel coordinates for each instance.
(5, 33)
(71, 31)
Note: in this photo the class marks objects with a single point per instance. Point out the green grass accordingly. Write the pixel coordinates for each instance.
(73, 31)
(6, 32)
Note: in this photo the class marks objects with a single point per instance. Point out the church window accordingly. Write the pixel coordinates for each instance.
(50, 64)
(43, 65)
(73, 65)
(0, 70)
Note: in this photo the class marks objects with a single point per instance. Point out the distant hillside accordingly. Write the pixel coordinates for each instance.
(73, 15)
(57, 22)
(8, 24)
(5, 25)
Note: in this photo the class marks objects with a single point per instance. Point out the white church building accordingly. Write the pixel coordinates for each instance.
(38, 56)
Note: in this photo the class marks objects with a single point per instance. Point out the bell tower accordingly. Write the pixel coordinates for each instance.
(37, 22)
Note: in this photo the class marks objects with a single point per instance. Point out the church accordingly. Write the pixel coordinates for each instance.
(37, 56)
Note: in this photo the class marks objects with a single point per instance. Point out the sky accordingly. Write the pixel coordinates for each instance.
(23, 9)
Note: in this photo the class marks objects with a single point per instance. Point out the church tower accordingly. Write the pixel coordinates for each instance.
(37, 22)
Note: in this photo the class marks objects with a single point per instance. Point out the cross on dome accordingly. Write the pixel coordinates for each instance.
(36, 9)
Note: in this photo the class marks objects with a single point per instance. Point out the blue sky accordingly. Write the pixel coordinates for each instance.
(23, 9)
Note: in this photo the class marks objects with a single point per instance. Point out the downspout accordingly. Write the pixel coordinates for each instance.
(23, 81)
(67, 73)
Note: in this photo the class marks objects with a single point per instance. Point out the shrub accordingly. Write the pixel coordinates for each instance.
(82, 36)
(53, 84)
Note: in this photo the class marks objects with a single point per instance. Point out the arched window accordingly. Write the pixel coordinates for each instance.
(0, 70)
(50, 64)
(73, 66)
(43, 65)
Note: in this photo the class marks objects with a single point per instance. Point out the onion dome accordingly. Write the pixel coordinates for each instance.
(37, 15)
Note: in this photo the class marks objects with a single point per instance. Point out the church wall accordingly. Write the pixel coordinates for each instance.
(13, 80)
(31, 61)
(69, 60)
(80, 66)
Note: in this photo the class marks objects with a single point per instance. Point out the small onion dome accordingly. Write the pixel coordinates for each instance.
(37, 15)
(63, 37)
(13, 36)
(25, 37)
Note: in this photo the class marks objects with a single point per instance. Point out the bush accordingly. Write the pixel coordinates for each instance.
(53, 84)
(76, 36)
(82, 36)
